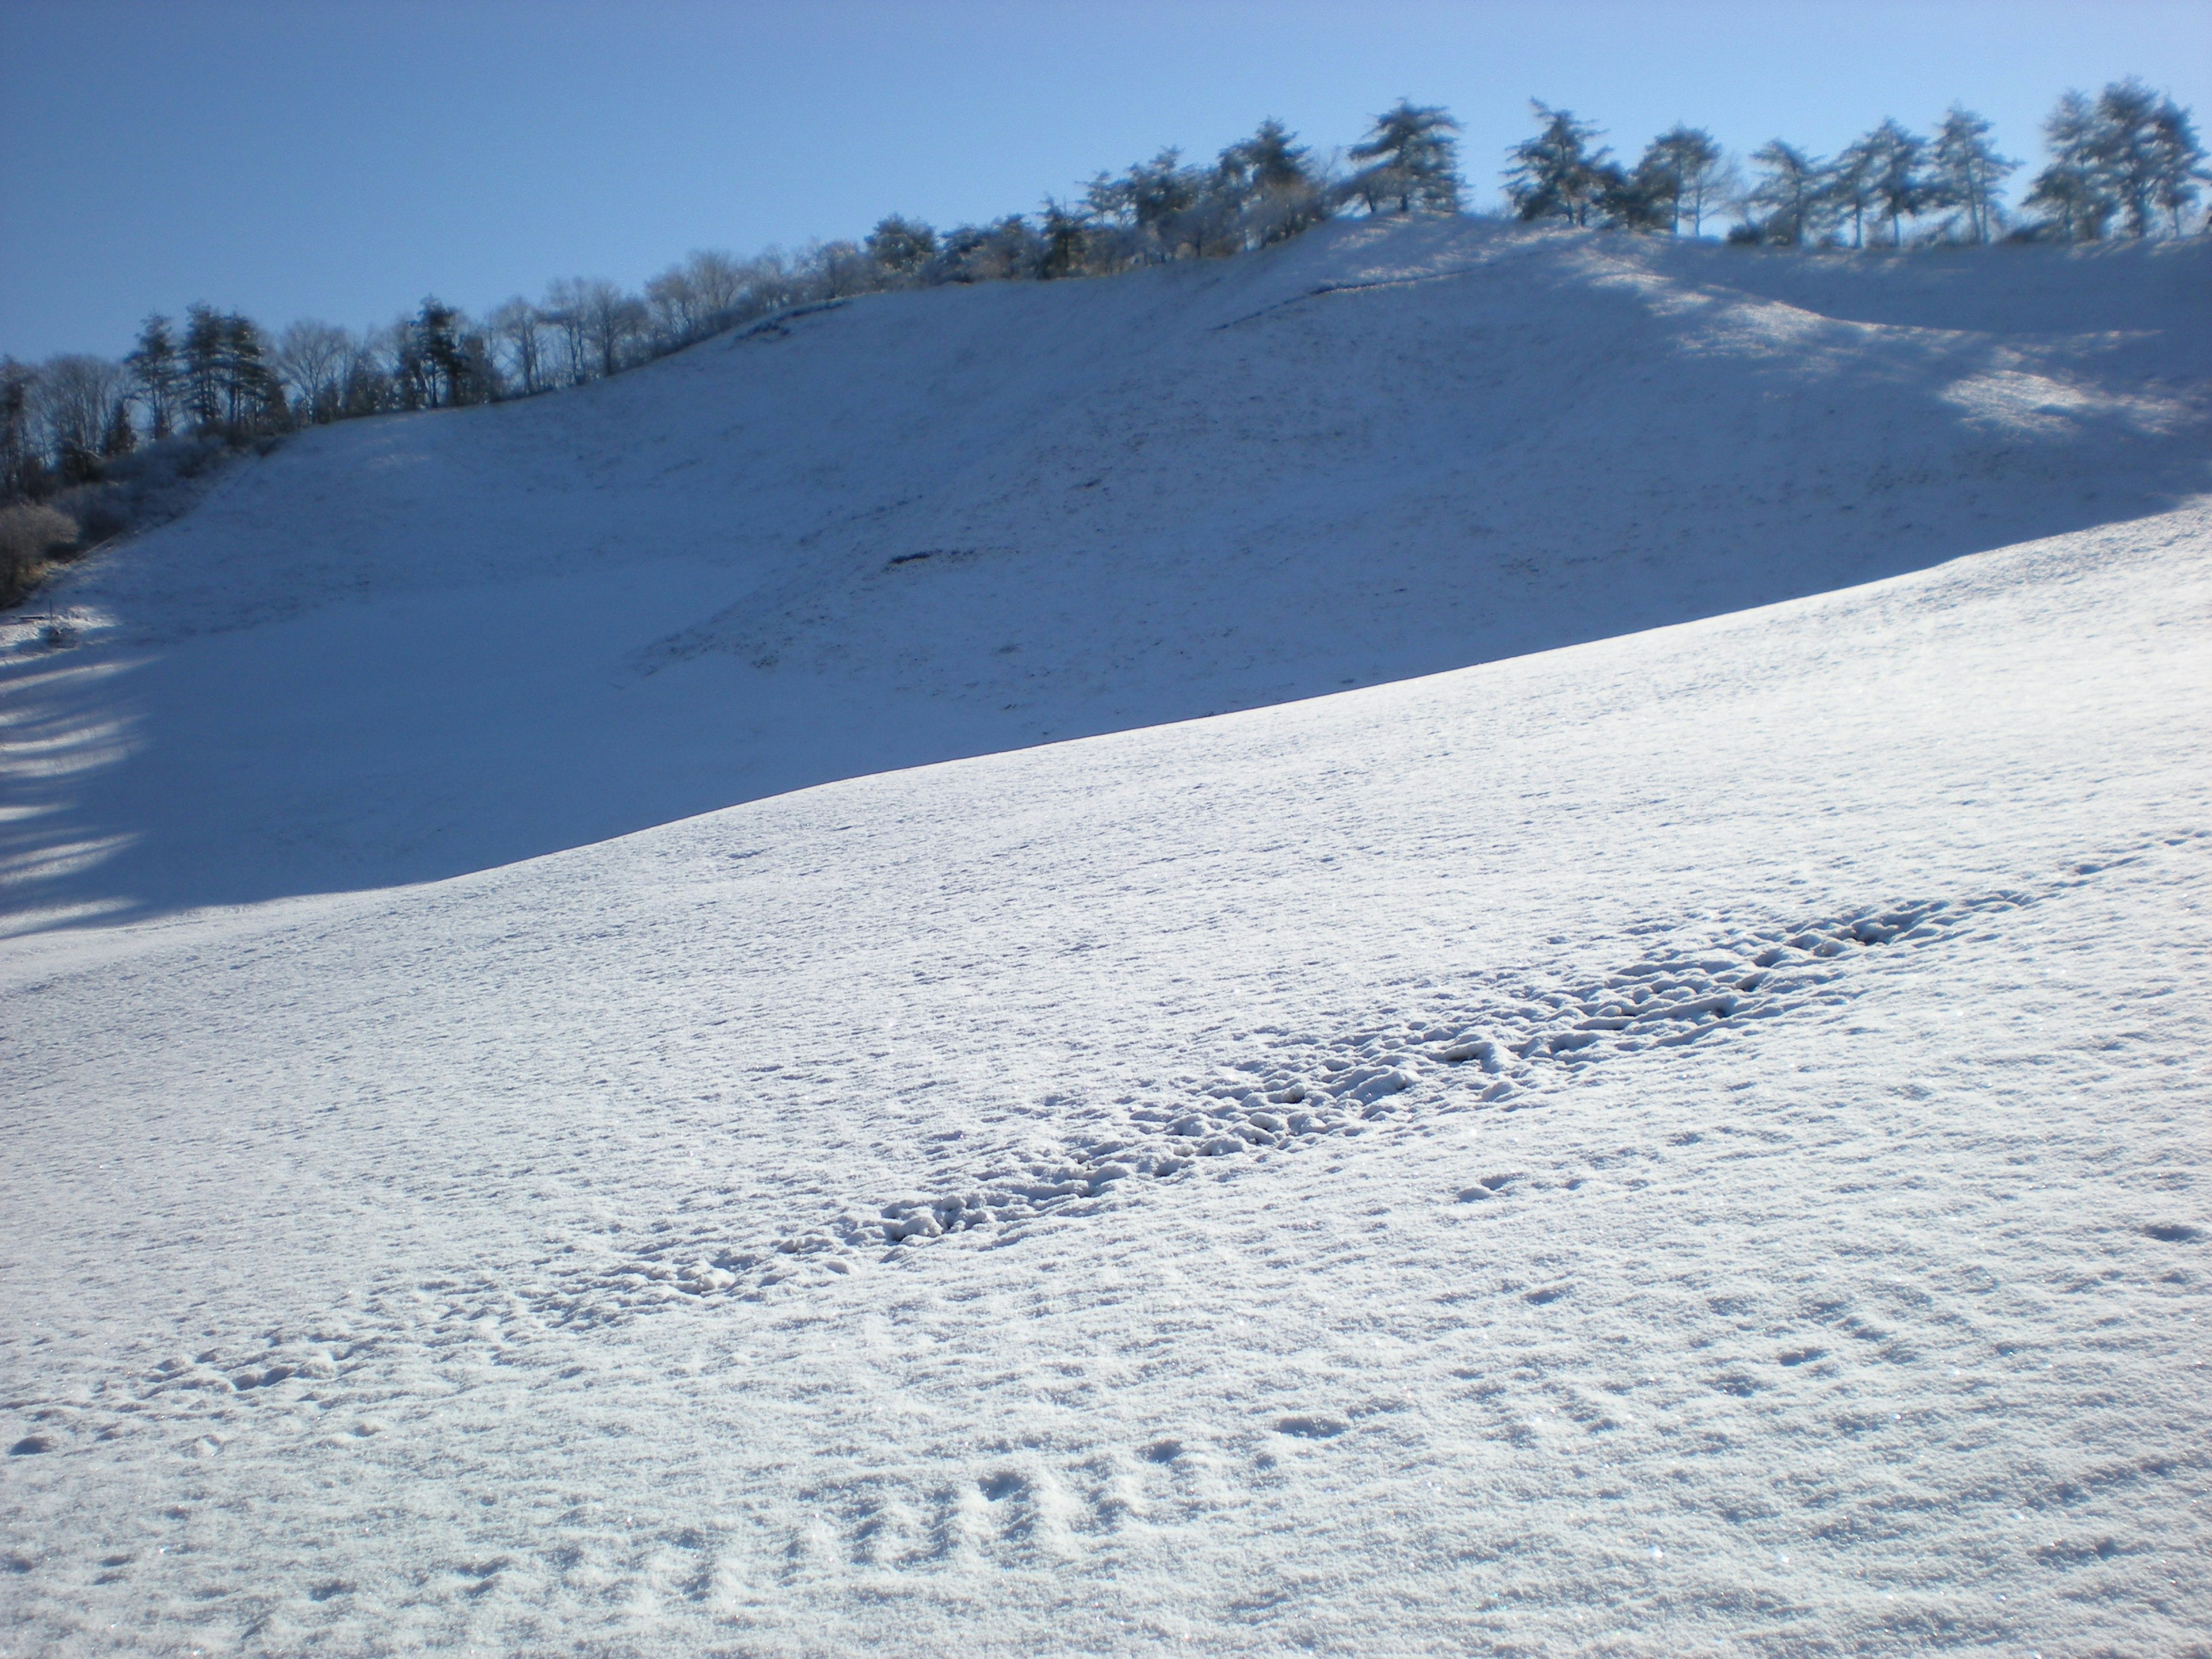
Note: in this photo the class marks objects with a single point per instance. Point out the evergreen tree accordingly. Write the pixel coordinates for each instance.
(252, 397)
(2124, 145)
(1792, 194)
(1557, 174)
(22, 472)
(153, 368)
(202, 362)
(1265, 188)
(1161, 193)
(1966, 174)
(1849, 188)
(902, 246)
(1896, 155)
(1270, 160)
(437, 345)
(1412, 159)
(121, 437)
(1679, 171)
(1065, 240)
(2176, 161)
(2072, 192)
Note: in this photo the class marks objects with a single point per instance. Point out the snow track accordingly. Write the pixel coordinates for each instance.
(1509, 1041)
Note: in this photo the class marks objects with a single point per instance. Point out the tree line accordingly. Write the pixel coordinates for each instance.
(2124, 163)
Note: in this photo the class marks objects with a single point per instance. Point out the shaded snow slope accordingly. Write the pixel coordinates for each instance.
(920, 527)
(1692, 1142)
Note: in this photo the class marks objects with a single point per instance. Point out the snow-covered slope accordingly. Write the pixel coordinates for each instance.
(1687, 1140)
(1688, 1143)
(922, 526)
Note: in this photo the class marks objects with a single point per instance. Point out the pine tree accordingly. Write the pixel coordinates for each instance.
(1412, 159)
(1794, 193)
(22, 472)
(437, 341)
(901, 245)
(2124, 142)
(154, 367)
(2073, 192)
(121, 437)
(1966, 174)
(2176, 161)
(1847, 186)
(202, 358)
(1065, 239)
(253, 397)
(1557, 174)
(1268, 185)
(1680, 171)
(1896, 156)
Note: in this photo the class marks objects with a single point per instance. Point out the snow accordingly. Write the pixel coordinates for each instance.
(1673, 1126)
(405, 649)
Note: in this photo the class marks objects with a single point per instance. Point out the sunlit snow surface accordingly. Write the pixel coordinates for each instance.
(1688, 1142)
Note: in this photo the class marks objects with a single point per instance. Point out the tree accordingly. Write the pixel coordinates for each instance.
(311, 358)
(202, 363)
(153, 368)
(1161, 193)
(1682, 171)
(447, 365)
(518, 332)
(2124, 145)
(2176, 161)
(1556, 175)
(902, 246)
(1791, 199)
(1966, 174)
(252, 397)
(22, 473)
(1848, 184)
(1413, 159)
(1895, 156)
(2071, 191)
(567, 309)
(719, 282)
(77, 398)
(121, 436)
(1066, 237)
(1284, 196)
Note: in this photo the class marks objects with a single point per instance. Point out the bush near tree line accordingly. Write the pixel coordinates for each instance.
(2127, 163)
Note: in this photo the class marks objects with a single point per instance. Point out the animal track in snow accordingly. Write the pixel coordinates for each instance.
(1495, 1044)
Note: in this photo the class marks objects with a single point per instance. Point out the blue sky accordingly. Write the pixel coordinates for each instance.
(307, 158)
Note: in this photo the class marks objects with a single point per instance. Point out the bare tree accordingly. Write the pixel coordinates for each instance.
(77, 398)
(719, 282)
(613, 324)
(518, 332)
(567, 310)
(311, 359)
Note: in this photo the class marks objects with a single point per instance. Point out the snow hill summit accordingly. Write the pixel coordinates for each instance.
(1450, 939)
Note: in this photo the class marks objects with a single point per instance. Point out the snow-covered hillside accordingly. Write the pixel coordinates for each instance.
(1688, 1140)
(927, 525)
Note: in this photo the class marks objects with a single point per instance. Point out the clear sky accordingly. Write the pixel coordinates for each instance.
(342, 158)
